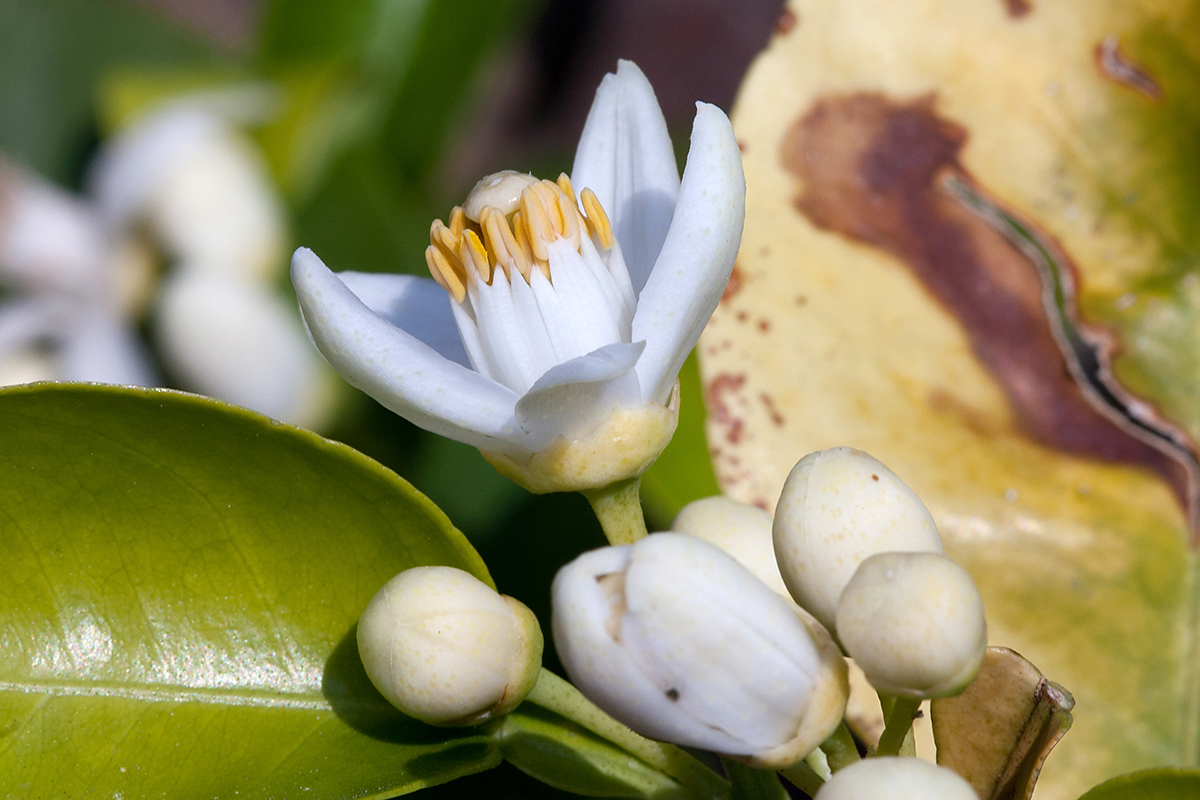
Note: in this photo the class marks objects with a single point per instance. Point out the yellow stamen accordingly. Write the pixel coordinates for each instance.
(503, 244)
(444, 274)
(521, 232)
(458, 221)
(473, 253)
(564, 183)
(597, 220)
(537, 222)
(569, 215)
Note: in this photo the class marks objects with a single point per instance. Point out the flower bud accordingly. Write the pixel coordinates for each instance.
(447, 649)
(741, 530)
(914, 623)
(677, 640)
(895, 778)
(839, 506)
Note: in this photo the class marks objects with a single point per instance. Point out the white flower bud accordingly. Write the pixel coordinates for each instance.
(839, 506)
(681, 643)
(895, 778)
(447, 649)
(914, 623)
(741, 530)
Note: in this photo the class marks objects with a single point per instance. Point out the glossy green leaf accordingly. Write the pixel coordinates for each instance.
(182, 583)
(1151, 784)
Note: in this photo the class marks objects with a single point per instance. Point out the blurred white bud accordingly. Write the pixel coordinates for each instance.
(839, 506)
(445, 648)
(49, 240)
(895, 778)
(677, 640)
(237, 341)
(203, 189)
(914, 623)
(741, 530)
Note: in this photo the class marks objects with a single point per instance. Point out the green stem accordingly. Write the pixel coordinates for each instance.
(899, 723)
(618, 506)
(555, 694)
(753, 784)
(840, 749)
(803, 777)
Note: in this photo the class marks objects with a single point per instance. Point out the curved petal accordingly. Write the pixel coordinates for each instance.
(400, 371)
(103, 348)
(697, 256)
(625, 157)
(417, 306)
(603, 669)
(574, 397)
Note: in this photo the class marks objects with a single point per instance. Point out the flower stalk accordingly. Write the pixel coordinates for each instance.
(897, 726)
(619, 509)
(555, 694)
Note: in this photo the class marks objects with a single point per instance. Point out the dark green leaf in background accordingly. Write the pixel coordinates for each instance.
(53, 53)
(1151, 784)
(182, 581)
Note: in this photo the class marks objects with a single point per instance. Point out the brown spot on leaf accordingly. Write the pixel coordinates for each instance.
(733, 285)
(1017, 8)
(719, 404)
(1116, 66)
(776, 418)
(787, 20)
(887, 173)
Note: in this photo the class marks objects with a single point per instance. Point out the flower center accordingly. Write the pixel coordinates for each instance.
(536, 276)
(507, 222)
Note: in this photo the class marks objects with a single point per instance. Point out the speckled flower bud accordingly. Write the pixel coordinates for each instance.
(895, 778)
(914, 623)
(839, 506)
(677, 640)
(447, 649)
(741, 530)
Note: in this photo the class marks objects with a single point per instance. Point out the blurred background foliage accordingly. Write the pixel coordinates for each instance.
(382, 114)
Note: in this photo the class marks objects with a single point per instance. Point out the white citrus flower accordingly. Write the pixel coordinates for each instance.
(565, 309)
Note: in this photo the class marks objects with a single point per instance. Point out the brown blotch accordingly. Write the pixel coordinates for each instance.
(776, 418)
(787, 20)
(874, 477)
(878, 171)
(733, 285)
(1017, 8)
(1116, 66)
(718, 404)
(741, 145)
(672, 695)
(764, 325)
(742, 316)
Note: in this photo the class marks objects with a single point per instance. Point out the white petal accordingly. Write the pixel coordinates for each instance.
(103, 348)
(732, 625)
(417, 306)
(127, 172)
(625, 157)
(400, 371)
(48, 238)
(236, 341)
(26, 320)
(574, 397)
(697, 257)
(511, 333)
(602, 668)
